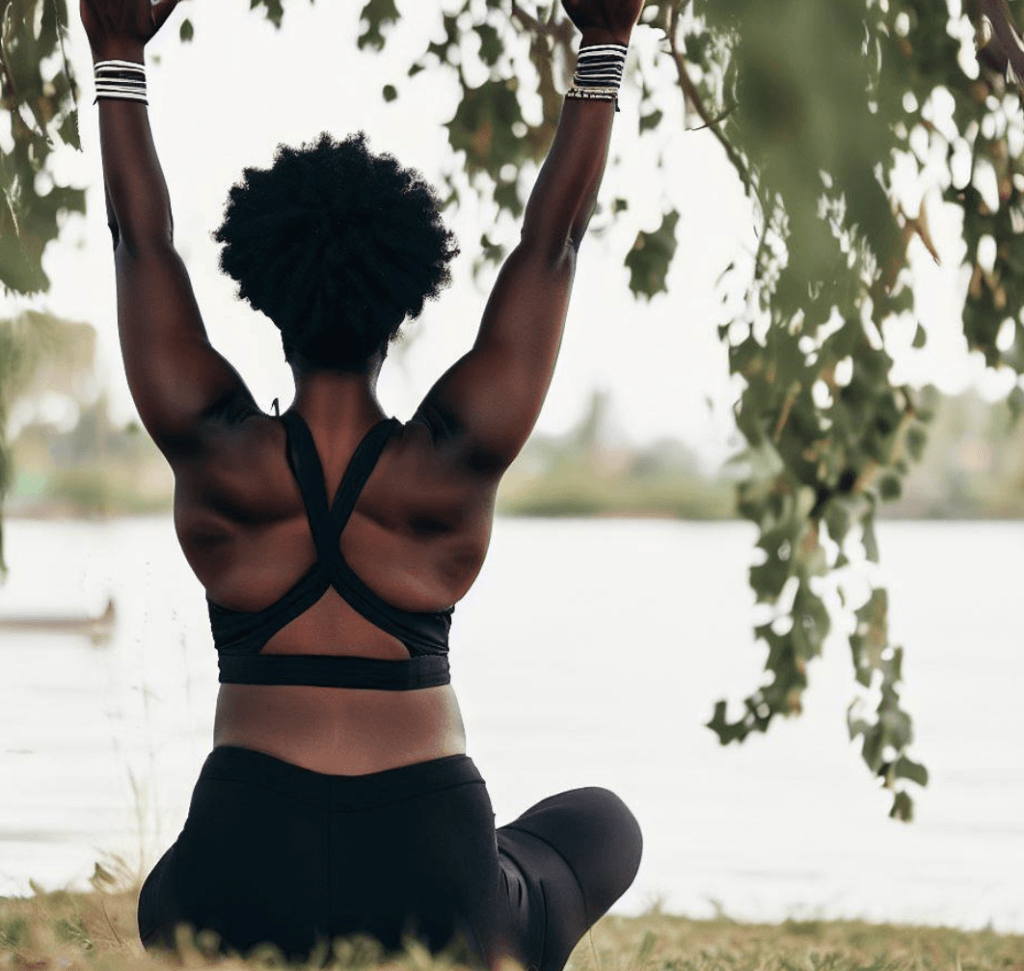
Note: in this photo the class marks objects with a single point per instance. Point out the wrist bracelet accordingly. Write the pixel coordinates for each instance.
(120, 79)
(598, 74)
(594, 94)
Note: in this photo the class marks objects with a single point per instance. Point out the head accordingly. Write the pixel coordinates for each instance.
(337, 246)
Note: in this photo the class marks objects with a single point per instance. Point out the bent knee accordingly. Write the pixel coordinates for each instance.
(596, 835)
(622, 827)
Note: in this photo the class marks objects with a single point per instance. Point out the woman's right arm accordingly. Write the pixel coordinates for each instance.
(482, 410)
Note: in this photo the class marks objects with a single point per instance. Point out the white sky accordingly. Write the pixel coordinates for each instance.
(241, 87)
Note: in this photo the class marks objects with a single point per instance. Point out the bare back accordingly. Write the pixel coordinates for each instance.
(419, 532)
(244, 530)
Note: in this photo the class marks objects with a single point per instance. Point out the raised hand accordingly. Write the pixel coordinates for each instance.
(114, 26)
(615, 18)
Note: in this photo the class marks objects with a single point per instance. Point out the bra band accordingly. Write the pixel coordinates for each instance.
(333, 671)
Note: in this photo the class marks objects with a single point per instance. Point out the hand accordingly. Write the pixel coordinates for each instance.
(616, 18)
(118, 26)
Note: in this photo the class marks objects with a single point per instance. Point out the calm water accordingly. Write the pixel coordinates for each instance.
(588, 653)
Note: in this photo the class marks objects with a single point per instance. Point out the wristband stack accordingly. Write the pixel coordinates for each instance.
(599, 73)
(120, 79)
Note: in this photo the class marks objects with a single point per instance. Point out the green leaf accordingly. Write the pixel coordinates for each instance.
(838, 517)
(68, 130)
(492, 252)
(725, 731)
(908, 769)
(274, 10)
(902, 807)
(378, 15)
(483, 125)
(186, 31)
(389, 92)
(491, 47)
(896, 729)
(916, 440)
(649, 260)
(871, 750)
(506, 195)
(652, 120)
(890, 487)
(920, 337)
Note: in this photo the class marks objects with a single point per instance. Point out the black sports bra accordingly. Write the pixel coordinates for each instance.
(239, 636)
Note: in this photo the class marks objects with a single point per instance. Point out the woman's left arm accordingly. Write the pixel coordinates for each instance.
(181, 385)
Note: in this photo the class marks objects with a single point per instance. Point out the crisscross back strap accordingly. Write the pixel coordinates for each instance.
(327, 524)
(363, 462)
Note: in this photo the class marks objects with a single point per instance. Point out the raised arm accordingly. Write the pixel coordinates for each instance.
(484, 407)
(180, 384)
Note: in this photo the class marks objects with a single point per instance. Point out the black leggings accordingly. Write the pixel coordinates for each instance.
(273, 852)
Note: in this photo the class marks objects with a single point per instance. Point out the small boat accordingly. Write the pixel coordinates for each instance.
(98, 628)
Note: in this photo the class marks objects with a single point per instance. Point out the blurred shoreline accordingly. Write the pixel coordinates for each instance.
(971, 469)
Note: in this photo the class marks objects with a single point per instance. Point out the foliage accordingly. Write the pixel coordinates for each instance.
(39, 97)
(816, 106)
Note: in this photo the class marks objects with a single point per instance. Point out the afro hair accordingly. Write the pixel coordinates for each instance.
(337, 246)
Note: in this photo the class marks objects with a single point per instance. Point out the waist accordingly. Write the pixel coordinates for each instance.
(338, 791)
(340, 731)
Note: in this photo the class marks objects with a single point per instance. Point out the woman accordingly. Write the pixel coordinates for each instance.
(338, 798)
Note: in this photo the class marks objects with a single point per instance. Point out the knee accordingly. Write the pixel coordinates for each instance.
(620, 829)
(611, 844)
(597, 835)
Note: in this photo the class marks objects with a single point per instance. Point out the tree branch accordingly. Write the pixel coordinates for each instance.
(690, 92)
(1009, 38)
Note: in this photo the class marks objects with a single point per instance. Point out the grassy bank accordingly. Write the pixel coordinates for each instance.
(86, 931)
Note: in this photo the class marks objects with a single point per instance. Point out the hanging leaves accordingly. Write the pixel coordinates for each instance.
(38, 109)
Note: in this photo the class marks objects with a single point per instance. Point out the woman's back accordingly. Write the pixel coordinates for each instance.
(415, 537)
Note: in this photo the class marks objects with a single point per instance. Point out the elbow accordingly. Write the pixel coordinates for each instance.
(579, 228)
(555, 242)
(553, 248)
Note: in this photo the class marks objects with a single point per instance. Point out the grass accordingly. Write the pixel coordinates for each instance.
(97, 931)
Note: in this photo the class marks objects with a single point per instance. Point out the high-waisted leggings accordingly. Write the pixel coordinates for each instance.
(273, 852)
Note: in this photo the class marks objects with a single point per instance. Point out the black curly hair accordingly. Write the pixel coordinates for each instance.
(337, 246)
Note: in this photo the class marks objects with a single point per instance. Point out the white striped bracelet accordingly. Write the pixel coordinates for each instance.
(598, 75)
(120, 79)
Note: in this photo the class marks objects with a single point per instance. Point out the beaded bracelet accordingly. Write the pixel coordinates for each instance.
(598, 74)
(120, 79)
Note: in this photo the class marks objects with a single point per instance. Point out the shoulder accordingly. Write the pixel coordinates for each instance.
(237, 476)
(421, 475)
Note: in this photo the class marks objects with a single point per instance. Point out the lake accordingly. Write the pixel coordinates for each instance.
(589, 652)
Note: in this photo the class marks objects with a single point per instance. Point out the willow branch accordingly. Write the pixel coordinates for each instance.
(690, 92)
(787, 406)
